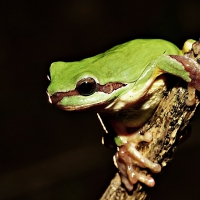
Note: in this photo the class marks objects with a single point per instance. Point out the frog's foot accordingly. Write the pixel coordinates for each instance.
(129, 171)
(128, 159)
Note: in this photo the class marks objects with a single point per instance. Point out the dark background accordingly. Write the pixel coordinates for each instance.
(47, 153)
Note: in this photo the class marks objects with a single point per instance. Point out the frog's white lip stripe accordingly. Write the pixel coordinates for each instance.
(108, 88)
(83, 107)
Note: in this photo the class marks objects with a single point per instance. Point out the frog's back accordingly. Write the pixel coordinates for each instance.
(127, 61)
(123, 63)
(153, 44)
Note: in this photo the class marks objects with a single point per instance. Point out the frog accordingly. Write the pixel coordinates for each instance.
(124, 85)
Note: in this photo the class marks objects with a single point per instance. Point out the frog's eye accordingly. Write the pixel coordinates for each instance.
(86, 86)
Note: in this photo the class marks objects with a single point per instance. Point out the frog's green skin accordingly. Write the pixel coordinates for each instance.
(125, 84)
(131, 63)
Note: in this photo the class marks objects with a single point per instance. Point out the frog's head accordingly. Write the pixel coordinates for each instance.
(74, 88)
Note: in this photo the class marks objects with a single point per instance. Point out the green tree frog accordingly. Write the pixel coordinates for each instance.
(124, 85)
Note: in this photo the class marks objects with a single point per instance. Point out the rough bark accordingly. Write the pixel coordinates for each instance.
(168, 125)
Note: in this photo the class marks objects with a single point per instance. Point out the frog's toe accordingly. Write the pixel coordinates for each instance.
(191, 100)
(141, 160)
(126, 182)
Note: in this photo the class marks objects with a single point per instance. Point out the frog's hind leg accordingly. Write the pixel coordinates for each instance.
(128, 159)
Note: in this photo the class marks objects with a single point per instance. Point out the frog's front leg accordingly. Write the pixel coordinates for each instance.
(193, 68)
(190, 63)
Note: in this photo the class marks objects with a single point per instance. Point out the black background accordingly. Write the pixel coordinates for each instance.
(47, 153)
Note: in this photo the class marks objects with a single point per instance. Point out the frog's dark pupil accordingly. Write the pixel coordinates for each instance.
(86, 86)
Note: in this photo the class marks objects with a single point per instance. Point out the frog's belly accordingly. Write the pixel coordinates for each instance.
(138, 113)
